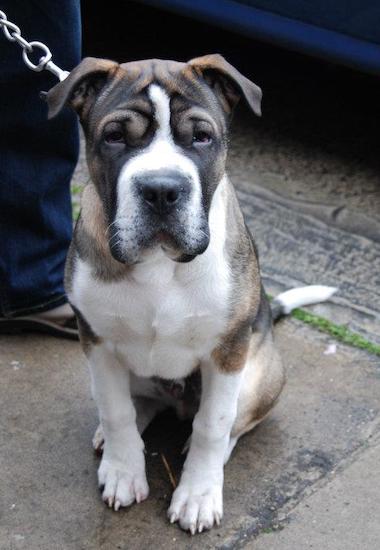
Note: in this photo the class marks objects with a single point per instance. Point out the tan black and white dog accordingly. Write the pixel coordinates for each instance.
(163, 273)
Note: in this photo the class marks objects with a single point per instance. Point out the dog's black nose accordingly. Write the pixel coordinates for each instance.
(162, 191)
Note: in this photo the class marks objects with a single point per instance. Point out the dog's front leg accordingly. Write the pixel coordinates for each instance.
(197, 503)
(122, 469)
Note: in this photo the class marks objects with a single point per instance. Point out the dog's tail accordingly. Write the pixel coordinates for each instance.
(285, 302)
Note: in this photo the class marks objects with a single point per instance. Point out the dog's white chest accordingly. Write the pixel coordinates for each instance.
(164, 319)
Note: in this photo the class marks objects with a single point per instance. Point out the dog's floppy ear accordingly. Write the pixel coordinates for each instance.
(226, 81)
(80, 88)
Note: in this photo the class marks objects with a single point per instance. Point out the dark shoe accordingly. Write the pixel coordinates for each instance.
(60, 322)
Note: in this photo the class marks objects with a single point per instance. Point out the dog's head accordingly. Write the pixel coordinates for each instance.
(156, 139)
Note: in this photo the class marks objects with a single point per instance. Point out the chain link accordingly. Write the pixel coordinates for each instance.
(13, 33)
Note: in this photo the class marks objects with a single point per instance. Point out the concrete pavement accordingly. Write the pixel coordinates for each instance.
(342, 515)
(326, 420)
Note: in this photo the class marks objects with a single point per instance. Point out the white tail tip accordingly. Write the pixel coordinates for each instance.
(304, 296)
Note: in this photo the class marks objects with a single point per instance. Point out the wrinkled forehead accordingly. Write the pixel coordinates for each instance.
(134, 85)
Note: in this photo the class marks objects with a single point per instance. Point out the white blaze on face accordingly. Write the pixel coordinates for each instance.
(162, 153)
(161, 104)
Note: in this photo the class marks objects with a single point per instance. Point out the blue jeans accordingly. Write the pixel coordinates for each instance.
(37, 159)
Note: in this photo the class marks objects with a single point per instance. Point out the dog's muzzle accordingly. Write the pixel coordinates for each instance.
(161, 208)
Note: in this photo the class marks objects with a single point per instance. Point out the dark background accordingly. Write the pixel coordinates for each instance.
(313, 100)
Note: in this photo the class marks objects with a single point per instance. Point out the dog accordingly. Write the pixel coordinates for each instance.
(163, 273)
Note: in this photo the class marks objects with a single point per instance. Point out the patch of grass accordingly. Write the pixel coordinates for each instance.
(339, 332)
(75, 211)
(272, 528)
(267, 530)
(76, 189)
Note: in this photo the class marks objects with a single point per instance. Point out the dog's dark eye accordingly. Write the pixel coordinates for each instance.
(201, 138)
(115, 136)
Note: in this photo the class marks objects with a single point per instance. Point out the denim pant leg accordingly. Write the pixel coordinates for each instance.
(37, 159)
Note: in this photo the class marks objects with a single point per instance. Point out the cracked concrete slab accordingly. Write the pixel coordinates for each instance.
(297, 247)
(342, 515)
(308, 234)
(49, 499)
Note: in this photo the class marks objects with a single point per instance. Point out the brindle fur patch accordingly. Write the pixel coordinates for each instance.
(91, 240)
(87, 336)
(232, 351)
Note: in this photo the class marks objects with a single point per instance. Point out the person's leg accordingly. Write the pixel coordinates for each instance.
(37, 159)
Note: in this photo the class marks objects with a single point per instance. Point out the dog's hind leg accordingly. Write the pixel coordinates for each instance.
(262, 384)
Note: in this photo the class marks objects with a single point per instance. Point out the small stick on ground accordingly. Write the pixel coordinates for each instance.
(169, 471)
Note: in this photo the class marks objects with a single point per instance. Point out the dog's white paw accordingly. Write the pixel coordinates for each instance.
(121, 486)
(98, 439)
(196, 507)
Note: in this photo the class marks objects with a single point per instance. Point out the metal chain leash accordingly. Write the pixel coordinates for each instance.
(13, 33)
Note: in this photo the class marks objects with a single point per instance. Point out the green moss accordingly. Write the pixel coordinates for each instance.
(339, 332)
(267, 530)
(75, 211)
(76, 189)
